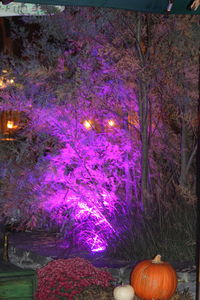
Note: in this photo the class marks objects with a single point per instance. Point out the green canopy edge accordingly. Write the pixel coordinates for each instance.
(151, 6)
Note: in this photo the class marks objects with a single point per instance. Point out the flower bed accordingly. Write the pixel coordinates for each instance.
(67, 278)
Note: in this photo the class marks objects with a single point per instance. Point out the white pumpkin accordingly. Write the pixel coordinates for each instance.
(124, 292)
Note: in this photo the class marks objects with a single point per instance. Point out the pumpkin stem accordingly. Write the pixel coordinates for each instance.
(157, 259)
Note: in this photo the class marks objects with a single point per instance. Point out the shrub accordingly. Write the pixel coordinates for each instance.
(65, 278)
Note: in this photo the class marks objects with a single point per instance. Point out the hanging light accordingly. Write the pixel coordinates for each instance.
(111, 123)
(87, 124)
(10, 124)
(2, 83)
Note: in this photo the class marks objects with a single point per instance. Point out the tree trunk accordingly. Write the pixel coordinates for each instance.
(128, 180)
(186, 157)
(7, 42)
(145, 146)
(183, 150)
(143, 116)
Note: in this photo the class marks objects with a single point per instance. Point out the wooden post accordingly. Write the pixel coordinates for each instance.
(5, 247)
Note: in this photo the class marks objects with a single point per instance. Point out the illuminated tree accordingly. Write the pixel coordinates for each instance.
(111, 99)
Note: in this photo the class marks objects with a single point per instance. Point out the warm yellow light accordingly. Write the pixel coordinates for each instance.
(87, 124)
(5, 82)
(111, 123)
(7, 139)
(2, 84)
(4, 71)
(10, 124)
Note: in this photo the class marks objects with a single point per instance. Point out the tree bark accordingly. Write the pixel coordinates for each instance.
(183, 150)
(143, 117)
(6, 40)
(145, 145)
(128, 176)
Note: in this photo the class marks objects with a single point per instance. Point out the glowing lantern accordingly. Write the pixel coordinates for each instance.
(10, 124)
(2, 83)
(111, 123)
(87, 124)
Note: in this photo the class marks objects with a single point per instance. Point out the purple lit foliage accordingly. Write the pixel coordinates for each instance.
(106, 118)
(91, 178)
(85, 177)
(94, 176)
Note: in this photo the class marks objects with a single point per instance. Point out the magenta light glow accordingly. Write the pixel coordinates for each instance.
(83, 180)
(97, 244)
(84, 177)
(80, 183)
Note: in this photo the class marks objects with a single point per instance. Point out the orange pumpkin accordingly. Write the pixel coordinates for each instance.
(154, 279)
